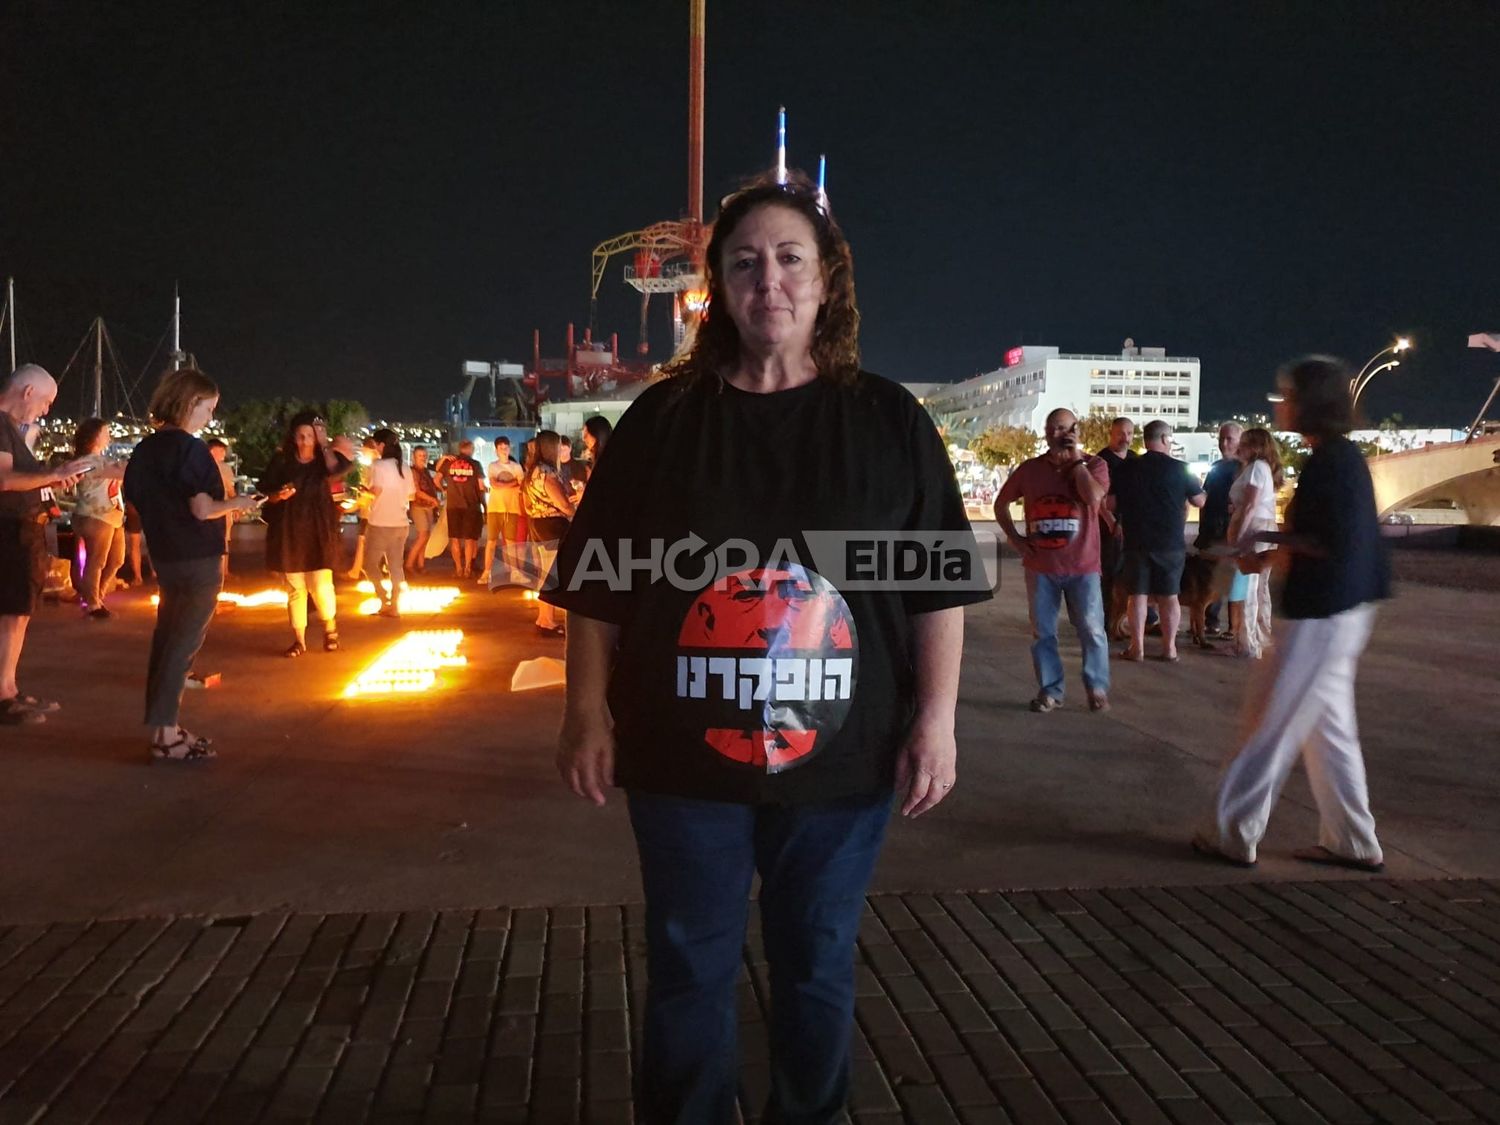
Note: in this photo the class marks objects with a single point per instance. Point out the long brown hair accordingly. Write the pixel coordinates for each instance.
(835, 346)
(1262, 447)
(87, 433)
(541, 451)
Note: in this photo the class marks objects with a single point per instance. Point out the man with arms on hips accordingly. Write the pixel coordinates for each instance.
(503, 522)
(1061, 491)
(25, 484)
(1150, 495)
(464, 485)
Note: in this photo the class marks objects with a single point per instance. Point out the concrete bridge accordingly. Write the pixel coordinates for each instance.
(1468, 475)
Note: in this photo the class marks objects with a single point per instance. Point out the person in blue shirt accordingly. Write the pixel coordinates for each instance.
(1336, 570)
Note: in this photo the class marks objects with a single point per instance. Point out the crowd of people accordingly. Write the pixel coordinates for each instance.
(781, 760)
(175, 496)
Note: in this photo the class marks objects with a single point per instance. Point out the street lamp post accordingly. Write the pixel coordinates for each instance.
(1369, 370)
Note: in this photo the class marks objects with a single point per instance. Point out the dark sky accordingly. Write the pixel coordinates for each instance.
(355, 198)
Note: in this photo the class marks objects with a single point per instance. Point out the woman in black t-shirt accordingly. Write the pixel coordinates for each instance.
(302, 524)
(761, 722)
(1336, 572)
(175, 484)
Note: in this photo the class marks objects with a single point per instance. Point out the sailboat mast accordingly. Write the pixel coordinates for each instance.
(98, 367)
(10, 317)
(176, 328)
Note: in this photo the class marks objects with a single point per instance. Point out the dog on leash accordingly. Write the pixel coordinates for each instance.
(1200, 586)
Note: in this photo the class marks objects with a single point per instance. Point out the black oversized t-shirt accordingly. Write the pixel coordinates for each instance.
(1150, 491)
(167, 469)
(19, 504)
(1334, 506)
(461, 477)
(768, 687)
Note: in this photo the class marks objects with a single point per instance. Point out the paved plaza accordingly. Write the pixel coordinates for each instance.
(389, 909)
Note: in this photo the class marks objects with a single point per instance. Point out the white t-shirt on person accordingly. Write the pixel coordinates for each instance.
(393, 487)
(1262, 517)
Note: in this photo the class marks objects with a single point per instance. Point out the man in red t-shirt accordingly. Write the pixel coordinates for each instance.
(1061, 492)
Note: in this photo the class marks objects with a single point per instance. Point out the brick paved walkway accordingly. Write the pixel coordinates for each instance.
(1342, 1002)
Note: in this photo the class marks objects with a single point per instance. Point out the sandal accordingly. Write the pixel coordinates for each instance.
(331, 641)
(295, 649)
(32, 703)
(13, 714)
(1210, 850)
(1044, 703)
(186, 748)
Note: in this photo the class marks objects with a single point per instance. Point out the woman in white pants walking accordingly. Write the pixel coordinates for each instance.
(1337, 571)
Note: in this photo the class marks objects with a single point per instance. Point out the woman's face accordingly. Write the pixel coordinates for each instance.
(589, 441)
(305, 439)
(1243, 451)
(773, 279)
(101, 441)
(201, 414)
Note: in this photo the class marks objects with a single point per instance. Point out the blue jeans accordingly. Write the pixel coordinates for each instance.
(698, 859)
(189, 595)
(1047, 592)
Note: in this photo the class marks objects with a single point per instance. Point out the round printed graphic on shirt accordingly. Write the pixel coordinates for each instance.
(768, 660)
(1052, 522)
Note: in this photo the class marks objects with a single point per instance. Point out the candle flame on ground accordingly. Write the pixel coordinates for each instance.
(244, 601)
(410, 665)
(414, 599)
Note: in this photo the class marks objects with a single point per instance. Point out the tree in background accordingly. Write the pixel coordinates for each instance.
(1005, 445)
(1292, 452)
(258, 425)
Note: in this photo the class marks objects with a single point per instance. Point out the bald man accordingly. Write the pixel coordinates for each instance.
(25, 398)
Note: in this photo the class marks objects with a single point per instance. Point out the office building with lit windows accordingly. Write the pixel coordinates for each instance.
(1139, 383)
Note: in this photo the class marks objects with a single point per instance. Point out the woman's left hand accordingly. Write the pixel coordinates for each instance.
(927, 767)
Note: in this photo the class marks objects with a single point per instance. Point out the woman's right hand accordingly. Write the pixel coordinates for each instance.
(586, 755)
(285, 492)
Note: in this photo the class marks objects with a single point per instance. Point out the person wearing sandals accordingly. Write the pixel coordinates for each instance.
(1253, 503)
(98, 516)
(1336, 570)
(25, 398)
(549, 509)
(393, 489)
(174, 483)
(302, 524)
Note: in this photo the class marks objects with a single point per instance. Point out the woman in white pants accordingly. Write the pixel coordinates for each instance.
(1252, 500)
(393, 488)
(1337, 571)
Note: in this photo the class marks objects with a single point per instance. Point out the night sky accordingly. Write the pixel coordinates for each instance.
(355, 198)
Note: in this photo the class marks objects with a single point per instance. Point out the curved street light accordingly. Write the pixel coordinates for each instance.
(1361, 383)
(1358, 383)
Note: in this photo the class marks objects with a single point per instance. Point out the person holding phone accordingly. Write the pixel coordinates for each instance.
(174, 482)
(98, 515)
(1061, 492)
(25, 494)
(302, 523)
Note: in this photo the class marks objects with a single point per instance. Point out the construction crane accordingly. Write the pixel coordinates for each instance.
(668, 256)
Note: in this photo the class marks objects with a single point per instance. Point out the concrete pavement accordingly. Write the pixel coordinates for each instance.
(391, 910)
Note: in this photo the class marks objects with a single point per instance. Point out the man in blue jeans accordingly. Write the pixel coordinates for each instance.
(1061, 492)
